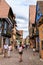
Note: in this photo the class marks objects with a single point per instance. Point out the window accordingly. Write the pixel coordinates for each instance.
(0, 42)
(37, 32)
(5, 31)
(0, 27)
(33, 31)
(0, 31)
(5, 25)
(42, 44)
(7, 40)
(0, 24)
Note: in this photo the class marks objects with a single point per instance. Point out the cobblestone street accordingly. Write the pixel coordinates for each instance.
(28, 59)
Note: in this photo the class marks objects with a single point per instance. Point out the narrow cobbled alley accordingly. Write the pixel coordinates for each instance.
(28, 58)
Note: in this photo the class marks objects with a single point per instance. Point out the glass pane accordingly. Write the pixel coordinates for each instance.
(7, 41)
(0, 42)
(0, 30)
(42, 45)
(4, 31)
(0, 24)
(5, 25)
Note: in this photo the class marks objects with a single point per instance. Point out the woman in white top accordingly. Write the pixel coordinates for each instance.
(5, 50)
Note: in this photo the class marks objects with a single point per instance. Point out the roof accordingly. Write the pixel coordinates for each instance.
(4, 9)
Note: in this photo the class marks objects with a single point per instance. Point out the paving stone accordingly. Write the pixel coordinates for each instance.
(28, 58)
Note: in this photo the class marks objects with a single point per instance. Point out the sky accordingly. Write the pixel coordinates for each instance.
(21, 10)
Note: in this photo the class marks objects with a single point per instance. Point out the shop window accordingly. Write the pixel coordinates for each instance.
(42, 44)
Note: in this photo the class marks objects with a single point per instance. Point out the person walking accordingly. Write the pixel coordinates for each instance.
(20, 52)
(5, 50)
(34, 51)
(9, 50)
